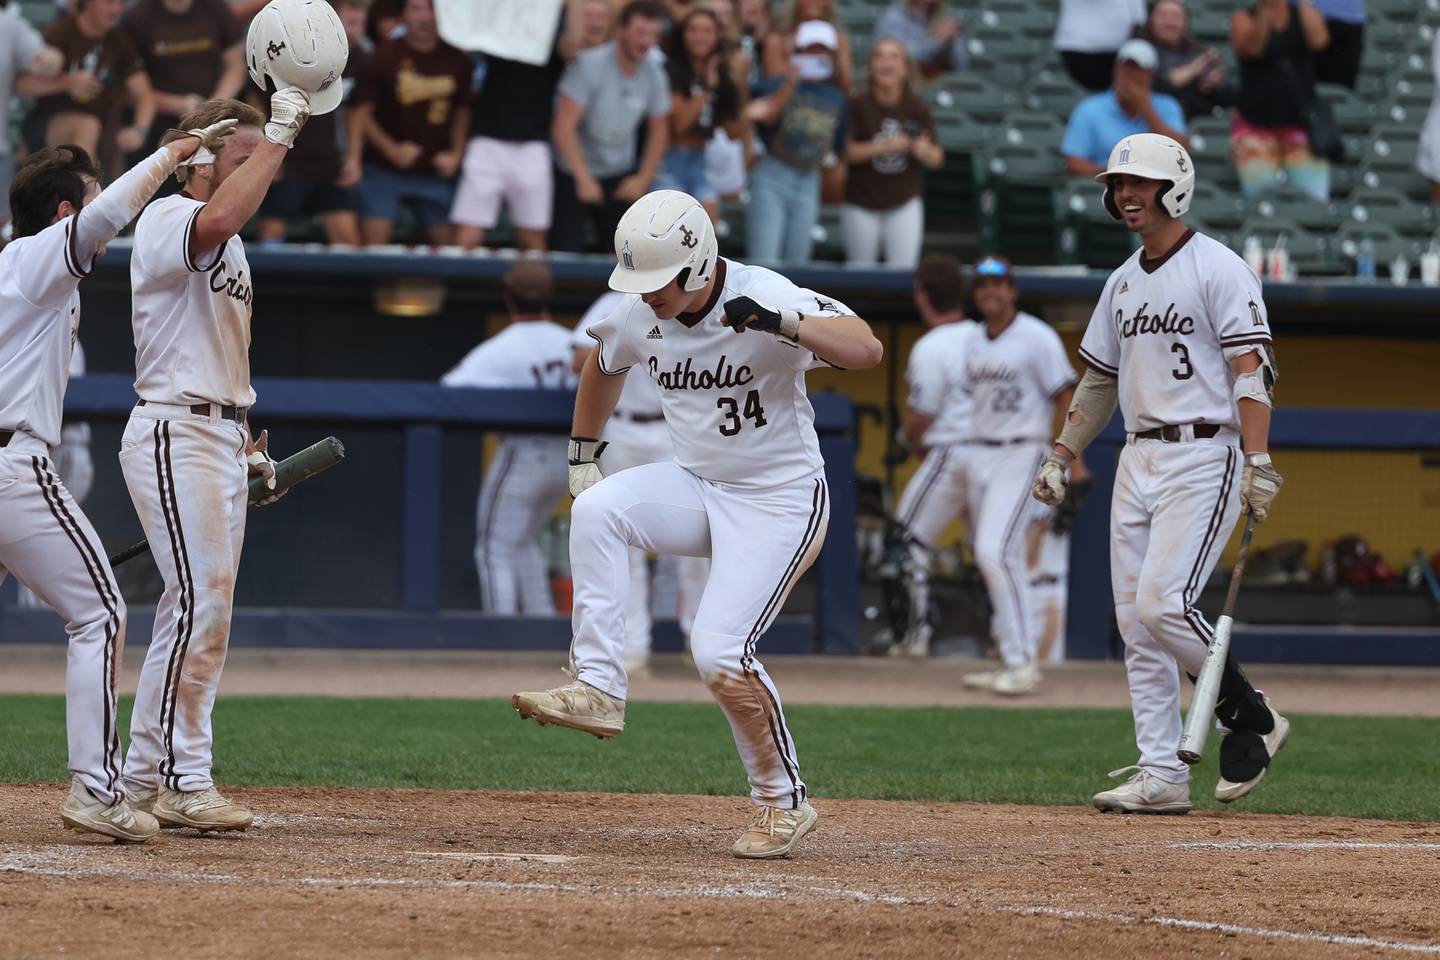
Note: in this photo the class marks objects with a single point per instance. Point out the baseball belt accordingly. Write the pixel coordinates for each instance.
(1173, 434)
(225, 411)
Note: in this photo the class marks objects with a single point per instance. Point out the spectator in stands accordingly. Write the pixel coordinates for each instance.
(22, 51)
(1188, 71)
(728, 158)
(1340, 61)
(934, 39)
(1427, 158)
(191, 53)
(508, 157)
(755, 25)
(413, 105)
(384, 20)
(316, 180)
(704, 97)
(1130, 106)
(1089, 32)
(607, 95)
(802, 117)
(782, 44)
(891, 136)
(597, 22)
(1275, 44)
(102, 71)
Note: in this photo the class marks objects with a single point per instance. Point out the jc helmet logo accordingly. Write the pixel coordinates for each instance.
(273, 50)
(688, 241)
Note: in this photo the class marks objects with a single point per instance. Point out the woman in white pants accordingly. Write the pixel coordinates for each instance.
(891, 136)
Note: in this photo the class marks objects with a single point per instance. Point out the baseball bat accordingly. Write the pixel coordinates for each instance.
(294, 469)
(1207, 687)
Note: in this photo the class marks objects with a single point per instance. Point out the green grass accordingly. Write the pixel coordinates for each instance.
(1381, 767)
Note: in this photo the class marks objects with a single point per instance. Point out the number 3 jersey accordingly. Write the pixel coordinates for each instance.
(735, 403)
(1168, 328)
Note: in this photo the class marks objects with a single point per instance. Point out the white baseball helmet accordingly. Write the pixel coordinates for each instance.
(1154, 157)
(299, 43)
(664, 235)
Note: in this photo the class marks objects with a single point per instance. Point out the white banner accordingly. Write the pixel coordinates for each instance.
(521, 30)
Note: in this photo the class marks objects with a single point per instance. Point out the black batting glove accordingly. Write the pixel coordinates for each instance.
(744, 313)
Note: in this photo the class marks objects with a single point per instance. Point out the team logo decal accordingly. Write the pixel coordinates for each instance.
(825, 306)
(1255, 320)
(329, 79)
(1180, 162)
(626, 257)
(689, 240)
(1124, 155)
(273, 50)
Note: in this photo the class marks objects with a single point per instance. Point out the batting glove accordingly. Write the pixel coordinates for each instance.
(743, 314)
(289, 109)
(584, 471)
(1259, 483)
(1050, 482)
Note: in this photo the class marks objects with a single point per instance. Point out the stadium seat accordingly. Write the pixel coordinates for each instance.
(1036, 129)
(1015, 214)
(1388, 245)
(1389, 160)
(1086, 233)
(828, 236)
(1288, 203)
(1390, 208)
(1220, 208)
(1354, 113)
(1310, 253)
(973, 94)
(1054, 94)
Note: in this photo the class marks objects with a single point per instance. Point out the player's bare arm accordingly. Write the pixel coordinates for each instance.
(594, 403)
(913, 429)
(233, 182)
(843, 340)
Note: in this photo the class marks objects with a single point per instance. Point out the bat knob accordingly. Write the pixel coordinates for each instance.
(1189, 757)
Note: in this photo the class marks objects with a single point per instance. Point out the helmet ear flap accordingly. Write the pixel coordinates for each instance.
(1107, 199)
(1160, 197)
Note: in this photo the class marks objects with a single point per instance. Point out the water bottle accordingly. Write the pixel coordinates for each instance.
(1254, 253)
(1365, 260)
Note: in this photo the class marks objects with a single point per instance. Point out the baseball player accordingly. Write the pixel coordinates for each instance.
(45, 538)
(1020, 382)
(187, 449)
(636, 434)
(746, 486)
(524, 480)
(937, 422)
(1181, 341)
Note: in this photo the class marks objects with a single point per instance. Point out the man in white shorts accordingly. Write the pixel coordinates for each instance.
(46, 540)
(524, 481)
(747, 485)
(187, 450)
(1181, 341)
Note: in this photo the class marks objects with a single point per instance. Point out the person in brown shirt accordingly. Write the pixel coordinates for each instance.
(891, 136)
(413, 105)
(102, 73)
(191, 51)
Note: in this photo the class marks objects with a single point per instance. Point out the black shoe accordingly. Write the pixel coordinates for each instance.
(1245, 756)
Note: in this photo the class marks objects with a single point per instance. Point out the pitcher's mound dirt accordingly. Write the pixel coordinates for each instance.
(370, 873)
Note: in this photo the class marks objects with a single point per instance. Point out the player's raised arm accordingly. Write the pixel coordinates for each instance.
(841, 339)
(254, 160)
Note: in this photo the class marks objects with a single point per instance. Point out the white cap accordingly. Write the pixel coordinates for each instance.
(1139, 52)
(818, 32)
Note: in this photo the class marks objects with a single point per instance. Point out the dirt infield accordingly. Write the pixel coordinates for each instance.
(431, 874)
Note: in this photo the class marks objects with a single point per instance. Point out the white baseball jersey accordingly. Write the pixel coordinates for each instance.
(735, 403)
(191, 314)
(39, 320)
(532, 353)
(1169, 327)
(639, 396)
(1013, 378)
(934, 373)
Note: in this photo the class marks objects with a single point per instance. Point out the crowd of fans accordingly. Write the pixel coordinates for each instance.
(724, 99)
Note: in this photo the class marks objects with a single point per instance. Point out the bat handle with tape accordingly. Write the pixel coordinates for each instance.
(1207, 687)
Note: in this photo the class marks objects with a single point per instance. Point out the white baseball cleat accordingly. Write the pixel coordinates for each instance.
(775, 831)
(980, 680)
(1017, 681)
(1245, 757)
(82, 811)
(1144, 793)
(576, 705)
(915, 642)
(202, 810)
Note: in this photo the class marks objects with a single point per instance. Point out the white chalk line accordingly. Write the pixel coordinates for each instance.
(1303, 845)
(507, 857)
(45, 863)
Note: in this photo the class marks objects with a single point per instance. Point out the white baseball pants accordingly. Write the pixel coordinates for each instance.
(1174, 507)
(526, 478)
(759, 542)
(188, 479)
(1049, 560)
(632, 444)
(1000, 478)
(935, 495)
(50, 546)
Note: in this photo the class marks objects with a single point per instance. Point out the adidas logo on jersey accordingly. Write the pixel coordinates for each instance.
(654, 334)
(1124, 287)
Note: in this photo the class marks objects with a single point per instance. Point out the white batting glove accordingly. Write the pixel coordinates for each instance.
(1050, 482)
(258, 457)
(1259, 483)
(289, 109)
(584, 471)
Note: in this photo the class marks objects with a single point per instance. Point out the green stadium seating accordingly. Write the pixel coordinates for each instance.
(1389, 160)
(972, 94)
(1392, 209)
(1052, 94)
(1354, 113)
(1087, 234)
(1036, 129)
(829, 238)
(1388, 245)
(1013, 185)
(1289, 204)
(1310, 253)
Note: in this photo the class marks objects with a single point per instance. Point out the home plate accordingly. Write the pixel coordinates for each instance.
(521, 857)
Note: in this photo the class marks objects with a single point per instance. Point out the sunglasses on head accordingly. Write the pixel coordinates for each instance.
(991, 267)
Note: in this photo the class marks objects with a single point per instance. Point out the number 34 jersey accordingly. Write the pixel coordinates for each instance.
(1168, 328)
(735, 403)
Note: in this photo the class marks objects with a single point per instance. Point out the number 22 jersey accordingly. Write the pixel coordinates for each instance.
(1168, 328)
(734, 403)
